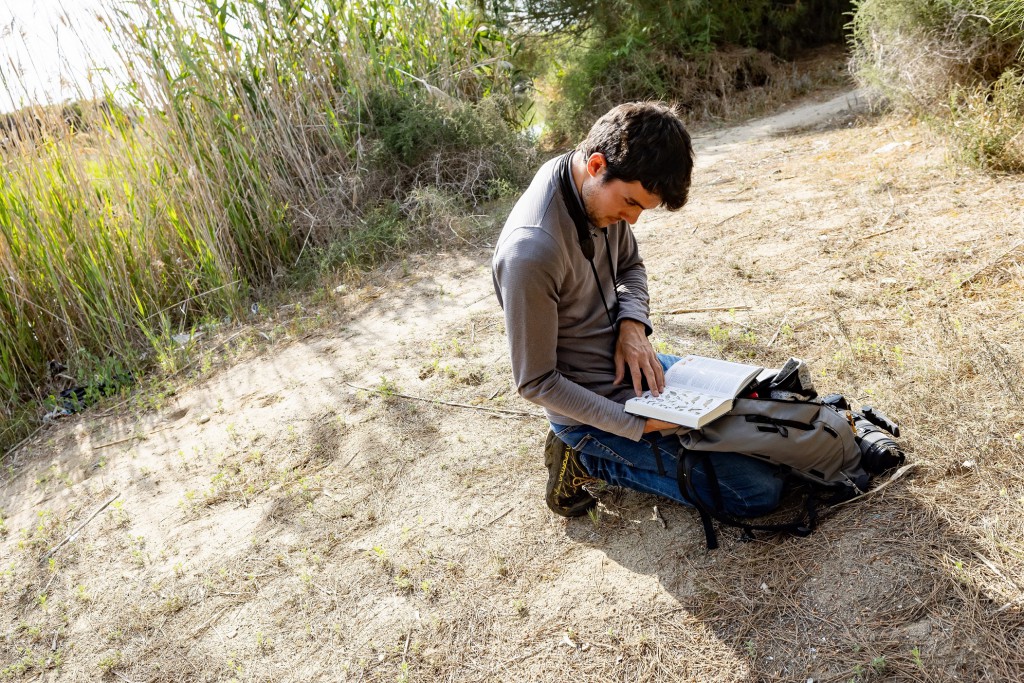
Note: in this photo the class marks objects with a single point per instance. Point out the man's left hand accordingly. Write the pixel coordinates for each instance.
(633, 350)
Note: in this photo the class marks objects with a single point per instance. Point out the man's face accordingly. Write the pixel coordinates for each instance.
(608, 201)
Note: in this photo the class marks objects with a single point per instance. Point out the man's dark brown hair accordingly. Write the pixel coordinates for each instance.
(645, 141)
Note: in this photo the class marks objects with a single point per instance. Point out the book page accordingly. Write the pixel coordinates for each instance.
(711, 376)
(678, 406)
(686, 402)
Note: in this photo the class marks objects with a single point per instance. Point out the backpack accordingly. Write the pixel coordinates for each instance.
(820, 444)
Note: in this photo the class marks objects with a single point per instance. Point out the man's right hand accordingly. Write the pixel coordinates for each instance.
(657, 425)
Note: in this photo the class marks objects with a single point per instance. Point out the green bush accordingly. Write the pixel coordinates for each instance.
(459, 147)
(958, 61)
(988, 123)
(698, 54)
(916, 52)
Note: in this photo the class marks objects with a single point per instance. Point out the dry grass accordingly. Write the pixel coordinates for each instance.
(337, 534)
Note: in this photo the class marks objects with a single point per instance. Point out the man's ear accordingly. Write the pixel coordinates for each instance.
(596, 164)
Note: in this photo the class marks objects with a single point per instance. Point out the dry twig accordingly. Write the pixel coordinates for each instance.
(715, 309)
(70, 537)
(484, 526)
(518, 413)
(991, 263)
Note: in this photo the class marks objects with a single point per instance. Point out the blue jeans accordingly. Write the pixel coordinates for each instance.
(748, 487)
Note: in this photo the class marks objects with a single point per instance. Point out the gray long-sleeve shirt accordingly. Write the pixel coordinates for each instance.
(561, 342)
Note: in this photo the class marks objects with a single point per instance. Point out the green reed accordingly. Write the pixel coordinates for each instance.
(247, 139)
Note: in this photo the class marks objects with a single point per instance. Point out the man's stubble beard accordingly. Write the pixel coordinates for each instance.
(587, 192)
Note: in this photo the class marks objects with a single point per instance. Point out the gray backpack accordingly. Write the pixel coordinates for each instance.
(820, 443)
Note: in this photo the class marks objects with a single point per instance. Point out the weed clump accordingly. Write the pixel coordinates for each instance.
(957, 62)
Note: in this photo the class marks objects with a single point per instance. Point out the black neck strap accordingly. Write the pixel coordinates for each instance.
(579, 219)
(576, 212)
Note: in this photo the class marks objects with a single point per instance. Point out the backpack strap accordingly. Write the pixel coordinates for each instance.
(803, 525)
(684, 472)
(657, 457)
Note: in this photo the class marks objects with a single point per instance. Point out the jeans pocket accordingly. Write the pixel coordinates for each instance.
(583, 440)
(593, 447)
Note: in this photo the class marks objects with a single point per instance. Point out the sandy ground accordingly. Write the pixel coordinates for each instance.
(296, 516)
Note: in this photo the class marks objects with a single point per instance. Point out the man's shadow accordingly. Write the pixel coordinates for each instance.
(883, 589)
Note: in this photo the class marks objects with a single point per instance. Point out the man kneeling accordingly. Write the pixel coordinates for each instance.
(568, 274)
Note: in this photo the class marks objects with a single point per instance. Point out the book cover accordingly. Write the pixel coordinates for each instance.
(697, 390)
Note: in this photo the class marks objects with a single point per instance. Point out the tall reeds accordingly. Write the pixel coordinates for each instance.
(253, 135)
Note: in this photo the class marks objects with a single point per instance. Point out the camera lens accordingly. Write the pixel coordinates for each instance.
(878, 452)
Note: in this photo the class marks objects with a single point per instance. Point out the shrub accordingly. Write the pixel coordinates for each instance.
(916, 52)
(988, 123)
(697, 54)
(959, 61)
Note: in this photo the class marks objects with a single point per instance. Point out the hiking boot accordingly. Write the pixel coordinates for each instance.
(565, 494)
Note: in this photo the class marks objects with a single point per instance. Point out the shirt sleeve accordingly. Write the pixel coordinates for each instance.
(527, 274)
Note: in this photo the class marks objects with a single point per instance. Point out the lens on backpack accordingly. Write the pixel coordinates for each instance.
(878, 452)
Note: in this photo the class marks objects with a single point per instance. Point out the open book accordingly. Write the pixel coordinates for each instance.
(697, 390)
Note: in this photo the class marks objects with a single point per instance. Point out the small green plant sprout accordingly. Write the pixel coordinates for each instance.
(380, 556)
(916, 656)
(109, 661)
(718, 334)
(457, 349)
(426, 586)
(897, 354)
(879, 664)
(520, 608)
(119, 515)
(386, 387)
(594, 514)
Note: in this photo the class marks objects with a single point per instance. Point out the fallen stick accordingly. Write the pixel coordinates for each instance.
(714, 309)
(520, 413)
(885, 221)
(210, 621)
(992, 263)
(808, 322)
(119, 441)
(878, 234)
(484, 526)
(898, 474)
(20, 443)
(141, 437)
(779, 330)
(729, 218)
(73, 534)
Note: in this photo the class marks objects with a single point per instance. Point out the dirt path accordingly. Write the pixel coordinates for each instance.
(275, 523)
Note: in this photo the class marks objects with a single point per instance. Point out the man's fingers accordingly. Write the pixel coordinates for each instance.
(637, 377)
(650, 372)
(659, 377)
